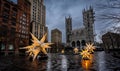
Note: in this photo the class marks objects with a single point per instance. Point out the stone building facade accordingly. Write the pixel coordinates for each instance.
(88, 22)
(79, 37)
(68, 25)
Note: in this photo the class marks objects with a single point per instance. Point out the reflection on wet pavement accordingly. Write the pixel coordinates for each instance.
(49, 64)
(64, 63)
(99, 61)
(87, 64)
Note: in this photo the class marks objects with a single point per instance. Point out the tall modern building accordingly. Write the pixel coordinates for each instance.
(68, 24)
(88, 21)
(56, 36)
(14, 25)
(38, 15)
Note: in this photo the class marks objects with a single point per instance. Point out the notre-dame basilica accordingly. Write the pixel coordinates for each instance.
(79, 37)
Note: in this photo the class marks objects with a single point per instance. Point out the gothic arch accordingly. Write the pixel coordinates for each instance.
(78, 43)
(83, 42)
(73, 43)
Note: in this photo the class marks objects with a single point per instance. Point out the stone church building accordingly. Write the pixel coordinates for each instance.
(79, 37)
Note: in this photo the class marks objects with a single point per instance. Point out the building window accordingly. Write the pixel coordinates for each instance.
(88, 24)
(7, 5)
(24, 15)
(5, 11)
(11, 47)
(14, 9)
(2, 47)
(4, 32)
(14, 14)
(13, 23)
(5, 16)
(13, 32)
(5, 21)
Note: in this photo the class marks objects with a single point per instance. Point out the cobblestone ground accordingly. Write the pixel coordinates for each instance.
(100, 61)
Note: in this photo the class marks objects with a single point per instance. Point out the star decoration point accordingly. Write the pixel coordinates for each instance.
(37, 46)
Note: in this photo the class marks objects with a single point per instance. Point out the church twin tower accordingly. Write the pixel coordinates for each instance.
(85, 35)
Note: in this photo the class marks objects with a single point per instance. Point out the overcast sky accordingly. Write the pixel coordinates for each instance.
(57, 10)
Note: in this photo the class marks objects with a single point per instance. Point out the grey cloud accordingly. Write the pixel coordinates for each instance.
(57, 10)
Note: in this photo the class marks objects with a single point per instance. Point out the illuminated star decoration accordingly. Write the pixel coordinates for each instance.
(90, 47)
(62, 51)
(76, 50)
(37, 46)
(85, 54)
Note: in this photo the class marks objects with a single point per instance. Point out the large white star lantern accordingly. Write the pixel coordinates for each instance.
(90, 47)
(87, 51)
(37, 46)
(85, 54)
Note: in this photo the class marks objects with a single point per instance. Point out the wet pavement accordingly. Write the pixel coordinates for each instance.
(100, 61)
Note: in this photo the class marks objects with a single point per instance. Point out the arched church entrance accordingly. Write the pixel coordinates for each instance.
(73, 44)
(83, 42)
(78, 43)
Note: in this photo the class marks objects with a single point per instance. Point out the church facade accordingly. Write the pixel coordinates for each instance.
(79, 37)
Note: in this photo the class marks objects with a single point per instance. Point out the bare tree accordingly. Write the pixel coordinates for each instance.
(110, 10)
(116, 29)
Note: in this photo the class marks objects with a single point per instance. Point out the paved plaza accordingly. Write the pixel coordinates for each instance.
(100, 61)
